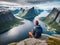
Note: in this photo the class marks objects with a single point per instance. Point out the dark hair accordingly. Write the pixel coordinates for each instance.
(36, 22)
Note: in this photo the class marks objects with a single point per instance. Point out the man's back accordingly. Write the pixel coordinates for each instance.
(37, 31)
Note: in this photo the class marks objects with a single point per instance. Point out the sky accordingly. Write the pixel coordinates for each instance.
(43, 4)
(31, 1)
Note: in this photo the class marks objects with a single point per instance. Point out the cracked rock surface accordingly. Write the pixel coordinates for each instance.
(32, 41)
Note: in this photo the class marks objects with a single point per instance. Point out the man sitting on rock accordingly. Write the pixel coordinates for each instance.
(37, 31)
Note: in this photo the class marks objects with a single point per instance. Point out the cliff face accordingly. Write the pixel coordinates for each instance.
(6, 16)
(58, 19)
(54, 14)
(31, 14)
(8, 20)
(53, 20)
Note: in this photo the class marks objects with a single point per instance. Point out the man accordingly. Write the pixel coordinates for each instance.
(37, 31)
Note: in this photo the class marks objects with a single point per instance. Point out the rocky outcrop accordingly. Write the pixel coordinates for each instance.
(6, 16)
(32, 41)
(44, 40)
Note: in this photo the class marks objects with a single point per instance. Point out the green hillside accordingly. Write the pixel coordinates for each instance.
(23, 13)
(7, 25)
(29, 14)
(51, 20)
(8, 21)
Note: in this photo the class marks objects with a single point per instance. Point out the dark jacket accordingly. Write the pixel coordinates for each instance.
(37, 31)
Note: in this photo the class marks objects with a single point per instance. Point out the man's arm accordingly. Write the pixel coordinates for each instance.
(33, 32)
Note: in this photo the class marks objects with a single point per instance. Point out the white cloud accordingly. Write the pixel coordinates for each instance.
(49, 5)
(29, 1)
(44, 6)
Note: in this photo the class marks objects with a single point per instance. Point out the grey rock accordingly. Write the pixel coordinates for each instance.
(32, 41)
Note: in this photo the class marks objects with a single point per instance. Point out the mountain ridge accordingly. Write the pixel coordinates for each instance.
(53, 20)
(31, 14)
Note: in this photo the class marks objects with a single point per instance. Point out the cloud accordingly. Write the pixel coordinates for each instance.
(48, 5)
(38, 1)
(9, 0)
(30, 1)
(24, 3)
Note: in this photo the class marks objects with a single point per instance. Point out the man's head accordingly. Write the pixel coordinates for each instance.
(36, 22)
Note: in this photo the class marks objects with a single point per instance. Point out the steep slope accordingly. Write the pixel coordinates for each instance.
(16, 11)
(51, 16)
(7, 20)
(6, 16)
(58, 19)
(53, 20)
(29, 14)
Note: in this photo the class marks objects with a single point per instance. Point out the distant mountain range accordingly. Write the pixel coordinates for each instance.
(53, 19)
(30, 14)
(15, 11)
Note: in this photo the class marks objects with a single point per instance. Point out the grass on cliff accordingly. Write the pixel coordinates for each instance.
(23, 13)
(53, 26)
(9, 24)
(52, 41)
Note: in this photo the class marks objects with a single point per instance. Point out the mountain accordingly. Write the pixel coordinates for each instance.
(29, 14)
(6, 16)
(40, 10)
(52, 15)
(16, 11)
(8, 20)
(53, 20)
(58, 19)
